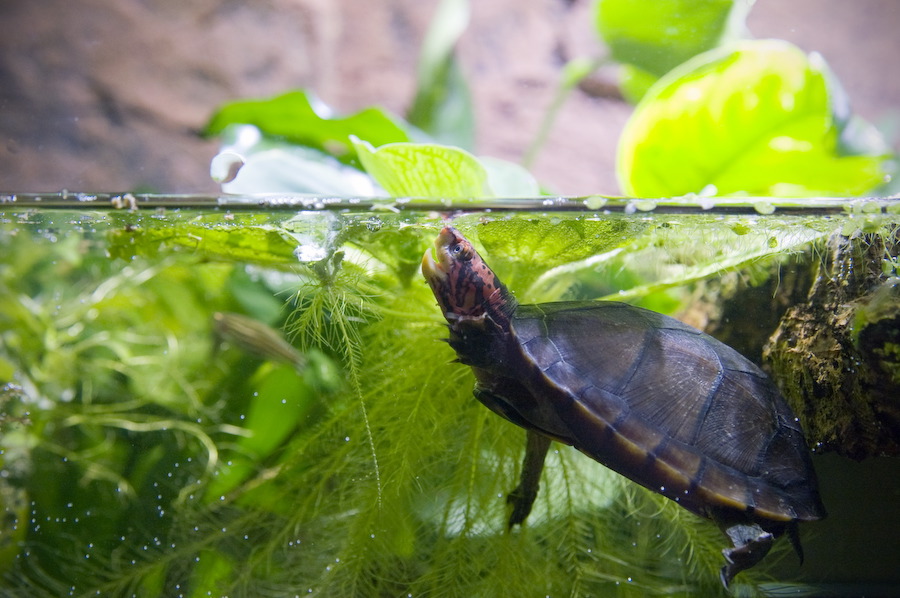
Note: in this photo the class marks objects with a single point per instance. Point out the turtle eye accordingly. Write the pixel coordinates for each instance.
(460, 251)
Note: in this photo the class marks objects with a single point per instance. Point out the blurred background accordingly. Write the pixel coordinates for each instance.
(110, 96)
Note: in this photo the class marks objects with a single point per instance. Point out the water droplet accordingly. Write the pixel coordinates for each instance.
(763, 207)
(645, 205)
(595, 202)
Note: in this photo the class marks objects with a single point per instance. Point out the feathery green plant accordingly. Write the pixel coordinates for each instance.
(146, 456)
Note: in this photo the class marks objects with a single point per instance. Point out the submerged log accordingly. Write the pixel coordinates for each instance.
(836, 355)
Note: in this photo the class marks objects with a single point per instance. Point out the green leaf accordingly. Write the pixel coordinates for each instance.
(635, 82)
(443, 105)
(213, 570)
(424, 170)
(281, 401)
(657, 36)
(303, 120)
(256, 244)
(684, 252)
(756, 119)
(516, 245)
(508, 179)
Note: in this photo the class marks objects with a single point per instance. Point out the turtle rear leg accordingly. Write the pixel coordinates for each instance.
(793, 534)
(751, 544)
(522, 498)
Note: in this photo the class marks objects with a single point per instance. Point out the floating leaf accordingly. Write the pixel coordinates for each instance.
(756, 119)
(256, 244)
(680, 253)
(517, 245)
(424, 170)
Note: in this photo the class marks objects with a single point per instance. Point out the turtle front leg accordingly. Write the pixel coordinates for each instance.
(522, 498)
(751, 543)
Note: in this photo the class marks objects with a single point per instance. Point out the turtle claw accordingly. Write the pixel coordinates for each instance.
(793, 534)
(751, 544)
(521, 501)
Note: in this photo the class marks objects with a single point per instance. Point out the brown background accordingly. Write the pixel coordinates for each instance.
(108, 96)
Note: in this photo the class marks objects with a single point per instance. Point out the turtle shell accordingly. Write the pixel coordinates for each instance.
(658, 401)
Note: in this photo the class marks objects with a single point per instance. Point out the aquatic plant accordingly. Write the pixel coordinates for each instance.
(146, 455)
(161, 438)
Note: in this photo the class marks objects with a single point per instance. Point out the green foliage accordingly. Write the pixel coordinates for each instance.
(758, 119)
(517, 244)
(153, 452)
(238, 240)
(300, 119)
(652, 39)
(442, 106)
(717, 116)
(148, 450)
(424, 170)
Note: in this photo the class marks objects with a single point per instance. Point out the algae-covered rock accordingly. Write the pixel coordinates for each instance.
(837, 355)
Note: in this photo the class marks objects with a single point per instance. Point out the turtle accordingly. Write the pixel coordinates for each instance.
(642, 393)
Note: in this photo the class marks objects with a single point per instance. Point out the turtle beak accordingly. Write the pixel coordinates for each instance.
(431, 269)
(437, 269)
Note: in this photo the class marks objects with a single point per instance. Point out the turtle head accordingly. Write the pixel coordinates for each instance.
(464, 286)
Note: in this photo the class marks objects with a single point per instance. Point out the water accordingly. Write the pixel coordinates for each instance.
(235, 396)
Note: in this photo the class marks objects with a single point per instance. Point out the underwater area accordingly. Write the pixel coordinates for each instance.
(205, 396)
